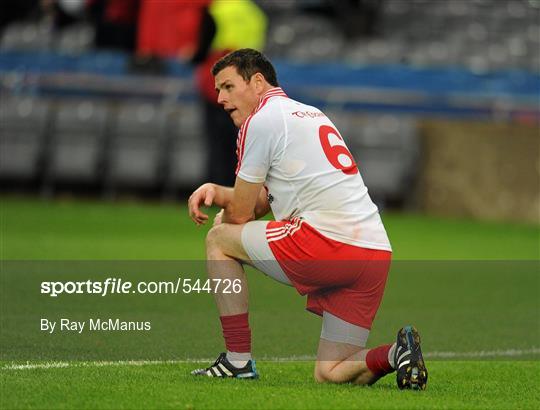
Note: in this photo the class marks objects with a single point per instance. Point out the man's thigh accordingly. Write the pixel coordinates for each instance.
(335, 352)
(255, 243)
(341, 363)
(248, 243)
(340, 341)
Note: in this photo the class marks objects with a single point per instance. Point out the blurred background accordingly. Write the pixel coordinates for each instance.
(439, 101)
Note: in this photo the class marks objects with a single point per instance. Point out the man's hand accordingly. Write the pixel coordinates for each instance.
(240, 204)
(204, 195)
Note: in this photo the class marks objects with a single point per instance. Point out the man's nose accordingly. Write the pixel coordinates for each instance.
(221, 98)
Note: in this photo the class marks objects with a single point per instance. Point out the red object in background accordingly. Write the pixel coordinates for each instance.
(204, 77)
(169, 28)
(122, 11)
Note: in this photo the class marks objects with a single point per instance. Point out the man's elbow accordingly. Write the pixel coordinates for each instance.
(261, 211)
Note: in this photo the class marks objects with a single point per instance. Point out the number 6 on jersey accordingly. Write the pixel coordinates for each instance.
(333, 152)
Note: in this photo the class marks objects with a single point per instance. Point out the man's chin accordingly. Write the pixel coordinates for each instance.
(237, 122)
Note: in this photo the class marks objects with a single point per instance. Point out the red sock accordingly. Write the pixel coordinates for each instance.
(377, 360)
(236, 333)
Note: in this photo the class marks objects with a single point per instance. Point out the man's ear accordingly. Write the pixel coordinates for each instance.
(259, 81)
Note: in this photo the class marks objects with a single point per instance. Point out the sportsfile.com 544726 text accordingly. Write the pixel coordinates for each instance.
(118, 286)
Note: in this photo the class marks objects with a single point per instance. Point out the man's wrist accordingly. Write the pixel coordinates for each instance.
(223, 195)
(230, 217)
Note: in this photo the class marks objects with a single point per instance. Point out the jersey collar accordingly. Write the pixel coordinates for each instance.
(273, 92)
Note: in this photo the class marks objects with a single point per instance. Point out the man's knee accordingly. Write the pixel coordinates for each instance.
(327, 372)
(223, 241)
(319, 377)
(215, 239)
(323, 373)
(214, 236)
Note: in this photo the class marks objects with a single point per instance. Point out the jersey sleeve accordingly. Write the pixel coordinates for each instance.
(258, 149)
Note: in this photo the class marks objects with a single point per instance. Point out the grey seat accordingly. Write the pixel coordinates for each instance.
(23, 123)
(75, 39)
(386, 151)
(187, 155)
(137, 146)
(384, 172)
(304, 38)
(26, 36)
(78, 141)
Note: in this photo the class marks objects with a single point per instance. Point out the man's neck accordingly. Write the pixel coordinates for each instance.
(267, 88)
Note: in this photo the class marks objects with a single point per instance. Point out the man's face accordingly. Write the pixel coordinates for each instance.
(238, 97)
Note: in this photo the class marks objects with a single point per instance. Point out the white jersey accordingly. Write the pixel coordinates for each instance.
(308, 171)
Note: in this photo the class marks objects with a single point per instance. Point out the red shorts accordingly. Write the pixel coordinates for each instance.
(345, 280)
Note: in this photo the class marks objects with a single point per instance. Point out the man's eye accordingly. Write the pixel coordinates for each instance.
(228, 86)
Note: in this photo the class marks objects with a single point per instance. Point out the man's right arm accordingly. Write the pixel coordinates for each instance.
(211, 194)
(225, 194)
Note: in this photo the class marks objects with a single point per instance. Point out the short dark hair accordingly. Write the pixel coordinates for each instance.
(247, 62)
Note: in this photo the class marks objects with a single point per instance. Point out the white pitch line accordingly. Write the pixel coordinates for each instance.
(431, 355)
(483, 353)
(56, 365)
(48, 365)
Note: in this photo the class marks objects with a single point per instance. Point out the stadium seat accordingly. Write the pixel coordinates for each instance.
(386, 149)
(23, 124)
(27, 36)
(471, 34)
(75, 39)
(136, 146)
(281, 36)
(187, 155)
(309, 39)
(78, 142)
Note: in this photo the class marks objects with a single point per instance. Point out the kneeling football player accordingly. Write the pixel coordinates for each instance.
(327, 240)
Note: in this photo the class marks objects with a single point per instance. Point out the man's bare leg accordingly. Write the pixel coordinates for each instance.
(336, 362)
(347, 363)
(342, 363)
(224, 250)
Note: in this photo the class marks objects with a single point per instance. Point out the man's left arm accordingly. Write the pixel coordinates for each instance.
(241, 208)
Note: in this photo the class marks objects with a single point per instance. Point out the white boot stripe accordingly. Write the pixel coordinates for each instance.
(209, 373)
(403, 355)
(224, 369)
(403, 364)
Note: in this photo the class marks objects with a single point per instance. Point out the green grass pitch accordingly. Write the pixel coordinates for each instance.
(479, 320)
